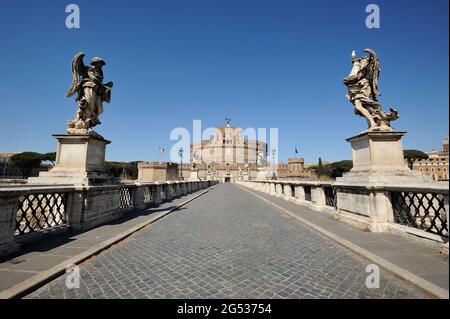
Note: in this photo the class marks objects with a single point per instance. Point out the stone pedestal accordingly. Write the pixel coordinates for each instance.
(194, 176)
(80, 160)
(378, 158)
(377, 163)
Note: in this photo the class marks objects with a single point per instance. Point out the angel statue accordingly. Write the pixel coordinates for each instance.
(362, 84)
(87, 82)
(260, 159)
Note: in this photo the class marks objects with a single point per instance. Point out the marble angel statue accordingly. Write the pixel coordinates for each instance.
(362, 84)
(91, 92)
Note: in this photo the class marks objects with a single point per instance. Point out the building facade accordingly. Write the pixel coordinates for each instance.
(228, 155)
(228, 145)
(436, 165)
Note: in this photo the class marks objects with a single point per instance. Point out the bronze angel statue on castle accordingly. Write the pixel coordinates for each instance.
(87, 82)
(362, 84)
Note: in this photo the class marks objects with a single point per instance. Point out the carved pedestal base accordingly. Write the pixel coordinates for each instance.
(80, 160)
(377, 165)
(378, 158)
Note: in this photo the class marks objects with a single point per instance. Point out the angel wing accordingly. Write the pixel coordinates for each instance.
(375, 67)
(78, 73)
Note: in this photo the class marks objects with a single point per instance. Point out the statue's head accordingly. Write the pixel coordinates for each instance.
(96, 61)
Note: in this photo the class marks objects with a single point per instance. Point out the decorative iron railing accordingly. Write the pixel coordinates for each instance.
(148, 198)
(125, 200)
(307, 193)
(31, 212)
(425, 211)
(330, 196)
(40, 211)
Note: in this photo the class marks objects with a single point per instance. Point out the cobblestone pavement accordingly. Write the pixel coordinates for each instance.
(227, 244)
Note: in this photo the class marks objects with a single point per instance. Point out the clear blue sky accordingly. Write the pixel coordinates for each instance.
(274, 63)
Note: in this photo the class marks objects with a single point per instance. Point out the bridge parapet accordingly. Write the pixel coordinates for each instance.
(421, 209)
(29, 212)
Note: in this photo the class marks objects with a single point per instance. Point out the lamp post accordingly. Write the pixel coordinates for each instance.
(181, 153)
(274, 151)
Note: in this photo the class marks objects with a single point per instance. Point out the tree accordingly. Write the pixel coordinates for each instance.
(123, 170)
(337, 169)
(333, 170)
(26, 162)
(320, 169)
(413, 155)
(51, 157)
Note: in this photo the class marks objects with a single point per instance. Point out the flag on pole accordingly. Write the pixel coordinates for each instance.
(161, 149)
(296, 151)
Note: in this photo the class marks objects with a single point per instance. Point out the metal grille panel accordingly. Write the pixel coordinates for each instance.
(425, 211)
(40, 211)
(125, 198)
(330, 196)
(307, 193)
(147, 195)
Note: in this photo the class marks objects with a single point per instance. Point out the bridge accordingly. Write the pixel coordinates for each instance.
(200, 239)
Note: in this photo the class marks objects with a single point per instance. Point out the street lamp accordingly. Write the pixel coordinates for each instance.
(181, 153)
(274, 151)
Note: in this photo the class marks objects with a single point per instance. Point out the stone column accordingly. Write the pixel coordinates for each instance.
(156, 194)
(169, 191)
(288, 194)
(380, 207)
(183, 189)
(318, 196)
(272, 189)
(138, 197)
(176, 190)
(299, 193)
(8, 211)
(189, 187)
(75, 206)
(279, 190)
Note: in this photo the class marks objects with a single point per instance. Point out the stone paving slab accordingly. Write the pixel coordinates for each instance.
(418, 256)
(227, 244)
(46, 253)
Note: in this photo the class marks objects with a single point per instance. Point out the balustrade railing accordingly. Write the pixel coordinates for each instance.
(125, 200)
(40, 211)
(425, 211)
(330, 196)
(148, 195)
(421, 207)
(29, 211)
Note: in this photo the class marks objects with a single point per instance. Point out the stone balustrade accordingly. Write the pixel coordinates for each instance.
(28, 212)
(421, 209)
